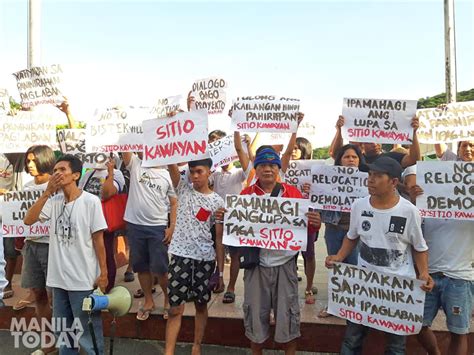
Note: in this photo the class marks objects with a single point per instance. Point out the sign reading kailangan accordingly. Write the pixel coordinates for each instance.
(276, 223)
(14, 208)
(175, 139)
(40, 85)
(387, 302)
(378, 121)
(26, 128)
(209, 94)
(265, 113)
(164, 107)
(451, 123)
(222, 151)
(335, 188)
(73, 141)
(116, 131)
(448, 189)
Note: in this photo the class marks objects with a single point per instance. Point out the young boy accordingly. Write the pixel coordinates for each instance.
(192, 252)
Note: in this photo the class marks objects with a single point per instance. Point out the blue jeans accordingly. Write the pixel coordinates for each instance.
(455, 297)
(334, 237)
(354, 338)
(67, 305)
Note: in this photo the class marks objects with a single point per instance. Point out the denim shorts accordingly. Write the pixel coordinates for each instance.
(455, 297)
(148, 253)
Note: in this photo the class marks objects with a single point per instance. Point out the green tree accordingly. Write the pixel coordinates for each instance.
(437, 100)
(321, 153)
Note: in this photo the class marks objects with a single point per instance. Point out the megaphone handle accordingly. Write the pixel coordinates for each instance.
(112, 335)
(91, 330)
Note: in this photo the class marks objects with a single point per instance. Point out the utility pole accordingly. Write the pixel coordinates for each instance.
(34, 33)
(450, 51)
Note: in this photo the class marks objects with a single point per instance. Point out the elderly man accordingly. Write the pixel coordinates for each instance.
(273, 284)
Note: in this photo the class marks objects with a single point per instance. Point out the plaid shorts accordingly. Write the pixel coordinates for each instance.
(188, 280)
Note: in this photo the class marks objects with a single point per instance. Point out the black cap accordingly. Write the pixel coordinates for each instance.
(384, 165)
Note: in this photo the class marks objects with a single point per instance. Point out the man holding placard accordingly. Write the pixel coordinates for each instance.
(389, 230)
(273, 283)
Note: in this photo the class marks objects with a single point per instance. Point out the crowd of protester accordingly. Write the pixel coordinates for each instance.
(174, 231)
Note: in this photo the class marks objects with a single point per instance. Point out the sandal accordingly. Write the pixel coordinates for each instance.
(324, 313)
(8, 294)
(139, 293)
(309, 297)
(144, 314)
(22, 304)
(229, 297)
(166, 313)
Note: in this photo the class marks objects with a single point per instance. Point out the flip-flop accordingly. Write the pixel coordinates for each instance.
(229, 297)
(144, 314)
(139, 293)
(8, 294)
(22, 304)
(309, 297)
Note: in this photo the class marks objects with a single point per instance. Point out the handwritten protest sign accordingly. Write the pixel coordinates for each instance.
(40, 85)
(448, 189)
(335, 188)
(265, 113)
(73, 141)
(222, 151)
(4, 101)
(26, 128)
(164, 107)
(378, 121)
(14, 208)
(116, 131)
(209, 94)
(299, 172)
(175, 139)
(387, 302)
(276, 223)
(451, 123)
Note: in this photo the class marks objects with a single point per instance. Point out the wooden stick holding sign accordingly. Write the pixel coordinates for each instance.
(177, 139)
(275, 223)
(13, 210)
(378, 121)
(383, 301)
(448, 189)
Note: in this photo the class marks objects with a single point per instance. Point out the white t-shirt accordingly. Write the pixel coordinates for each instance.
(451, 244)
(29, 186)
(192, 236)
(228, 182)
(148, 198)
(72, 262)
(387, 236)
(94, 184)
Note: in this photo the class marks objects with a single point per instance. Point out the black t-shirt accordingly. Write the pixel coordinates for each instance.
(394, 155)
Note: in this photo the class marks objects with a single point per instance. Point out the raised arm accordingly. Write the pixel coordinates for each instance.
(64, 107)
(337, 141)
(243, 157)
(33, 213)
(414, 153)
(174, 174)
(108, 187)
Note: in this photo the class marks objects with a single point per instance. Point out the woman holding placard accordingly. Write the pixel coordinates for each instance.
(337, 223)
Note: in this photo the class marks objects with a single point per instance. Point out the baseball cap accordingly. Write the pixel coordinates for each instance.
(386, 165)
